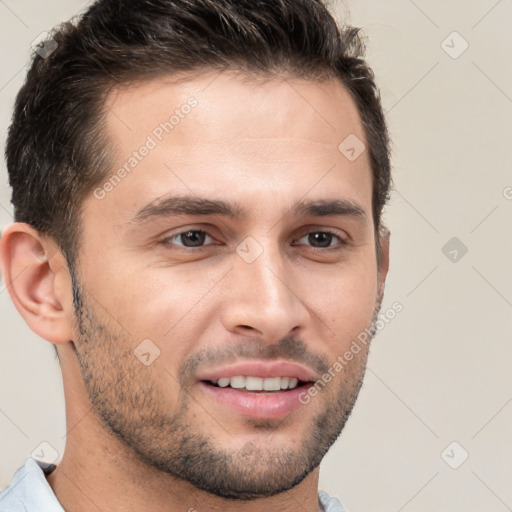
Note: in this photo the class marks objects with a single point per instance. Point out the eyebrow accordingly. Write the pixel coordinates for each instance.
(193, 205)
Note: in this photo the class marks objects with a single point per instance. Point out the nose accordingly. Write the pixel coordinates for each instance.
(263, 296)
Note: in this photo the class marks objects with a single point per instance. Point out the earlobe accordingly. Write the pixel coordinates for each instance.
(35, 274)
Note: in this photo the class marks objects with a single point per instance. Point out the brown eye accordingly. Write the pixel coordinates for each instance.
(190, 238)
(322, 239)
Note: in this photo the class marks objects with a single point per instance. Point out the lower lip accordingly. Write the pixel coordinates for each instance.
(260, 405)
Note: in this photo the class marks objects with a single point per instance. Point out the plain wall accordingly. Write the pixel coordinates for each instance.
(439, 372)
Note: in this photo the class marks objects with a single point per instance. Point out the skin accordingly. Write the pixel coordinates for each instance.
(265, 145)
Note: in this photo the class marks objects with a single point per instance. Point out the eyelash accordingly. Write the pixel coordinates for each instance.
(341, 243)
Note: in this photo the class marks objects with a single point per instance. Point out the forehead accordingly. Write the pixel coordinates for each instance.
(210, 132)
(232, 104)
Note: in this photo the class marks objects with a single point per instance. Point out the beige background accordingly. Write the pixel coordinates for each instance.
(440, 371)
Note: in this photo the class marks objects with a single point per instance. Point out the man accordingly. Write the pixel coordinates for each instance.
(198, 189)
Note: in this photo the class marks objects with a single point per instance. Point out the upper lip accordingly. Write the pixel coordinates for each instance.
(263, 369)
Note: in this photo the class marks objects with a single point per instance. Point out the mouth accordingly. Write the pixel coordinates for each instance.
(260, 390)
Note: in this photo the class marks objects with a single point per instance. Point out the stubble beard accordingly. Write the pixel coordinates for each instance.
(128, 403)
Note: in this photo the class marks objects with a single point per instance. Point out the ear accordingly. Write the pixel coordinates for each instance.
(36, 274)
(383, 265)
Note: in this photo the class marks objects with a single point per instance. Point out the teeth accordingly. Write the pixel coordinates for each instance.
(254, 383)
(258, 383)
(223, 382)
(237, 382)
(272, 384)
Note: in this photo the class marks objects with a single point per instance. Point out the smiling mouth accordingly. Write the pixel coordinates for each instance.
(249, 383)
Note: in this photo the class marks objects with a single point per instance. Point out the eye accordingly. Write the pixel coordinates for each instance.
(322, 239)
(189, 238)
(199, 238)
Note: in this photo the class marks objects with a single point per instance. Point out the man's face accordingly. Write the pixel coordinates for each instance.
(270, 291)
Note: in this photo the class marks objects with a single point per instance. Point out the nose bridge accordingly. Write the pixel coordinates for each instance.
(263, 274)
(262, 292)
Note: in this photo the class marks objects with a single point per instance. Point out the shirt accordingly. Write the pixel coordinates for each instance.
(29, 491)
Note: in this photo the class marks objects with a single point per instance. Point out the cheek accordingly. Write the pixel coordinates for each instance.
(345, 303)
(166, 305)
